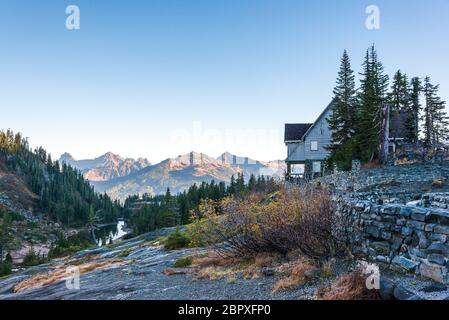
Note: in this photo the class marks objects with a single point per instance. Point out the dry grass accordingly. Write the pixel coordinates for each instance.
(231, 279)
(405, 161)
(172, 271)
(60, 274)
(214, 266)
(213, 259)
(328, 269)
(348, 287)
(438, 183)
(294, 268)
(266, 259)
(372, 165)
(295, 274)
(214, 273)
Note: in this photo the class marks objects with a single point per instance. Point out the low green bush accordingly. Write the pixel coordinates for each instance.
(68, 245)
(183, 262)
(5, 269)
(57, 252)
(125, 253)
(13, 216)
(33, 259)
(177, 240)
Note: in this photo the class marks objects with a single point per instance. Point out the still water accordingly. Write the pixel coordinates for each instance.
(108, 234)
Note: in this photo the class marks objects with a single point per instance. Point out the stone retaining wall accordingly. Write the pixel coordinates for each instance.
(387, 177)
(413, 237)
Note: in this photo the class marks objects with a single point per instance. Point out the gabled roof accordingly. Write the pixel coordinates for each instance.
(295, 131)
(330, 105)
(298, 131)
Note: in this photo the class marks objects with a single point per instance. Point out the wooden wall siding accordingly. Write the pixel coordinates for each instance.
(296, 152)
(301, 151)
(323, 138)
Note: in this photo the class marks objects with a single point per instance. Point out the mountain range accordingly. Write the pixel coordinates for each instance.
(120, 177)
(105, 167)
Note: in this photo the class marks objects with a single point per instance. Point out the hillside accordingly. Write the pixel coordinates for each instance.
(14, 193)
(183, 171)
(39, 198)
(58, 192)
(105, 167)
(28, 228)
(123, 271)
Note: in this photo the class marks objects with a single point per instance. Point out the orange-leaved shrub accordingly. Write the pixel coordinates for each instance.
(299, 218)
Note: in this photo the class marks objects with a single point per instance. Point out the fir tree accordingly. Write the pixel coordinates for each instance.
(436, 121)
(372, 95)
(342, 120)
(398, 98)
(380, 78)
(404, 98)
(5, 235)
(415, 110)
(170, 214)
(252, 183)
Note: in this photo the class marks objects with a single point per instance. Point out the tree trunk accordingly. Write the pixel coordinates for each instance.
(384, 134)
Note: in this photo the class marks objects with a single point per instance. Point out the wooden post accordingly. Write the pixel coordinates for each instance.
(384, 134)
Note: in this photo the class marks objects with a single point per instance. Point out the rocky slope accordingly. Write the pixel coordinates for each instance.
(133, 270)
(105, 167)
(30, 229)
(183, 171)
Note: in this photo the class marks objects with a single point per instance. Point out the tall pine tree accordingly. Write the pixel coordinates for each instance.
(415, 110)
(372, 96)
(342, 120)
(436, 121)
(398, 98)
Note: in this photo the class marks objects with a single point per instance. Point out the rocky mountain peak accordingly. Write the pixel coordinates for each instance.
(66, 157)
(235, 160)
(105, 167)
(109, 156)
(195, 158)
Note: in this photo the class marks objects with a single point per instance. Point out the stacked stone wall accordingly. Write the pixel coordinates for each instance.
(412, 237)
(394, 178)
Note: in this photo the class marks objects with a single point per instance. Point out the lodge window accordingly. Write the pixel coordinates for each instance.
(316, 166)
(297, 169)
(313, 145)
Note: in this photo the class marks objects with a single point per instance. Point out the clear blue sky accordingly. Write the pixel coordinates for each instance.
(140, 77)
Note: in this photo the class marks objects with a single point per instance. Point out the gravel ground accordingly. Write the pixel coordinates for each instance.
(142, 279)
(424, 288)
